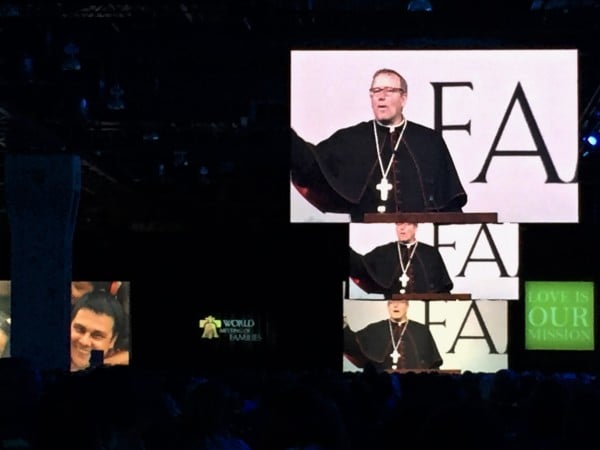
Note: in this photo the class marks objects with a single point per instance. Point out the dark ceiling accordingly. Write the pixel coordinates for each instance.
(205, 88)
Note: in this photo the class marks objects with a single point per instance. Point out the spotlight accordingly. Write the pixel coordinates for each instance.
(592, 140)
(590, 144)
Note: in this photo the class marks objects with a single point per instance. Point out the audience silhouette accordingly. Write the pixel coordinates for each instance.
(125, 407)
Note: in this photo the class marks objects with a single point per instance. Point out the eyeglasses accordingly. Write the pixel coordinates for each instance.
(385, 90)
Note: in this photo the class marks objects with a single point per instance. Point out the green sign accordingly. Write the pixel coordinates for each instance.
(559, 315)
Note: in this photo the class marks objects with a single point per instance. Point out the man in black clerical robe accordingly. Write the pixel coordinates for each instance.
(379, 271)
(373, 345)
(341, 173)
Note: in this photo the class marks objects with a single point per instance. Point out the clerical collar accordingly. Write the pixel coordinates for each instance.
(408, 244)
(395, 322)
(391, 128)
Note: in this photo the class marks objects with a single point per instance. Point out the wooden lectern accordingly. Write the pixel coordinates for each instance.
(431, 296)
(437, 371)
(433, 217)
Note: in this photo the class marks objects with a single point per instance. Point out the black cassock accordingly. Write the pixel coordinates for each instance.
(340, 174)
(373, 345)
(379, 270)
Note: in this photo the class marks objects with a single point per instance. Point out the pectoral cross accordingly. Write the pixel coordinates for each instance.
(395, 356)
(404, 279)
(384, 187)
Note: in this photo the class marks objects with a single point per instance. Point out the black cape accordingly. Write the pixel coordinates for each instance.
(373, 345)
(378, 271)
(339, 174)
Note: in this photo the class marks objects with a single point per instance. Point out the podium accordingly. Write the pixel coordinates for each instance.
(431, 217)
(435, 371)
(424, 296)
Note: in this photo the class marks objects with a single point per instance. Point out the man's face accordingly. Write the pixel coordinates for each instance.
(90, 331)
(406, 231)
(387, 107)
(397, 309)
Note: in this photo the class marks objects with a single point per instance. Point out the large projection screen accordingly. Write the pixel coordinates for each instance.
(482, 259)
(470, 335)
(88, 325)
(515, 155)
